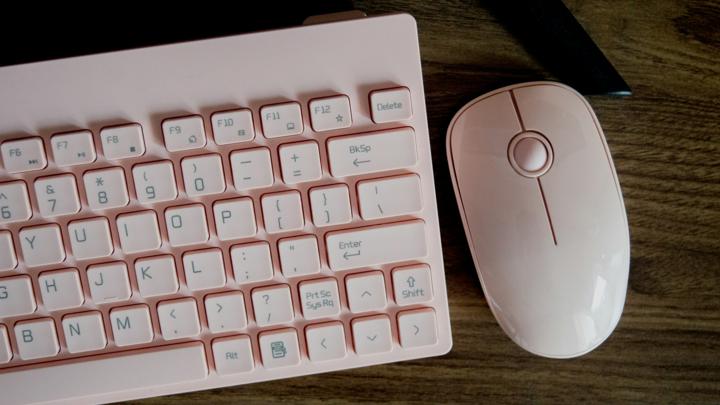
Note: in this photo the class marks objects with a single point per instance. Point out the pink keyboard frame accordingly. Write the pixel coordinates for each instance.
(148, 85)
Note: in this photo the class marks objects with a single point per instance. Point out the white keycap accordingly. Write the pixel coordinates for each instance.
(42, 245)
(326, 341)
(122, 141)
(279, 348)
(282, 212)
(372, 335)
(281, 120)
(106, 188)
(319, 298)
(184, 133)
(5, 349)
(155, 182)
(233, 355)
(139, 232)
(299, 256)
(391, 105)
(233, 126)
(131, 325)
(84, 332)
(61, 289)
(225, 312)
(203, 175)
(16, 296)
(108, 282)
(8, 258)
(372, 246)
(300, 162)
(251, 169)
(178, 319)
(186, 225)
(14, 202)
(57, 195)
(366, 292)
(156, 276)
(204, 269)
(371, 153)
(272, 305)
(36, 339)
(417, 328)
(90, 238)
(412, 284)
(330, 205)
(234, 219)
(73, 148)
(389, 197)
(251, 262)
(23, 155)
(330, 113)
(107, 374)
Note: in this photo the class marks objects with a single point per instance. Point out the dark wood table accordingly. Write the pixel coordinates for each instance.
(665, 141)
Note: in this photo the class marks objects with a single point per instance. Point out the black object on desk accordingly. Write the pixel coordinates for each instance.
(552, 35)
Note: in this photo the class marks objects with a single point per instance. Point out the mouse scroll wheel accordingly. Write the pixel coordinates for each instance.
(530, 154)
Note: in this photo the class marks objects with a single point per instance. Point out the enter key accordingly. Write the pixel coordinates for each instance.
(377, 245)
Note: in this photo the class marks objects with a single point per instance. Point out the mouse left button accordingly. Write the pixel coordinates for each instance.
(484, 127)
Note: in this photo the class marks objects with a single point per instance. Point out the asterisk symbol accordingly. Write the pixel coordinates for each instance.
(99, 181)
(339, 118)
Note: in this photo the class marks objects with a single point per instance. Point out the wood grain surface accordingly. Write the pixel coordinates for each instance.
(665, 141)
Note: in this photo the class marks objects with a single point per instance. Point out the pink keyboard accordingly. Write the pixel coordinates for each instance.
(216, 213)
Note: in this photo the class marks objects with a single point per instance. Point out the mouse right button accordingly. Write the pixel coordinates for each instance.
(590, 266)
(580, 188)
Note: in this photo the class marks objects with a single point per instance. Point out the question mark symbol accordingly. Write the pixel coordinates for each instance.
(267, 298)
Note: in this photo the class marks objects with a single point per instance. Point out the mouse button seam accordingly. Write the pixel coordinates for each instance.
(517, 110)
(547, 212)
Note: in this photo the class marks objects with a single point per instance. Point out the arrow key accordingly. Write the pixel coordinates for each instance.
(225, 312)
(417, 328)
(326, 341)
(178, 319)
(372, 335)
(366, 292)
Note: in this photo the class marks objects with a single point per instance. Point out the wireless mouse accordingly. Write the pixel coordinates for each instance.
(543, 215)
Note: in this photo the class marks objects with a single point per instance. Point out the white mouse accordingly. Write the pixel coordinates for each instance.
(543, 215)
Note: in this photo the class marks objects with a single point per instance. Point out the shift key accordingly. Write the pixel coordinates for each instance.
(377, 245)
(372, 152)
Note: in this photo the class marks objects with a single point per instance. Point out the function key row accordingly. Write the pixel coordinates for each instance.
(187, 133)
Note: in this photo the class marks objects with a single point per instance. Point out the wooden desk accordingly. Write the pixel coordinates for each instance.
(665, 140)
